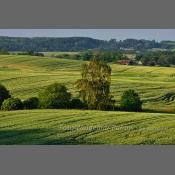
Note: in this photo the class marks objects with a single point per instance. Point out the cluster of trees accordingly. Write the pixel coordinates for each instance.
(94, 89)
(162, 58)
(94, 93)
(31, 53)
(7, 102)
(105, 56)
(147, 58)
(54, 96)
(5, 51)
(48, 44)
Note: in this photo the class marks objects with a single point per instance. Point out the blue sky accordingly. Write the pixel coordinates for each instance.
(105, 34)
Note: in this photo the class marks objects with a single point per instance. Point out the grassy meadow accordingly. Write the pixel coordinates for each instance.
(26, 75)
(85, 127)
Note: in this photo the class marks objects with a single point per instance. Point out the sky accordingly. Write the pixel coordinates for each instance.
(104, 34)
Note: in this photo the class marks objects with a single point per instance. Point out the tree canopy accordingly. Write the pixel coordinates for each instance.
(54, 96)
(130, 101)
(94, 86)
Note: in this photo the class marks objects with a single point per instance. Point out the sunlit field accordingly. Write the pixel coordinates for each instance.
(26, 75)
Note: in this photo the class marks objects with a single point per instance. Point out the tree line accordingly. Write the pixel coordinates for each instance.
(146, 58)
(94, 93)
(161, 58)
(105, 56)
(48, 44)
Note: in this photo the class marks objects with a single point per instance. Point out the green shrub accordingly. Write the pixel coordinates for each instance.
(54, 96)
(76, 104)
(4, 51)
(4, 94)
(130, 101)
(12, 104)
(31, 103)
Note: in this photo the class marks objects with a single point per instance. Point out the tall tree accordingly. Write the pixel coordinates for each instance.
(94, 86)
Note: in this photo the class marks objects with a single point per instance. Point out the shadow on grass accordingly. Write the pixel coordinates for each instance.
(158, 111)
(39, 136)
(170, 111)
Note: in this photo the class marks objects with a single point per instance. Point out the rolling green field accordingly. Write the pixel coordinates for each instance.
(25, 76)
(85, 127)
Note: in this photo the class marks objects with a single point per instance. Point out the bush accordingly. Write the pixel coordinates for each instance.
(31, 103)
(130, 101)
(76, 104)
(4, 51)
(12, 104)
(55, 96)
(4, 94)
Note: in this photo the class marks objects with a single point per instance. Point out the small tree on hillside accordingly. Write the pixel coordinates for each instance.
(4, 94)
(12, 104)
(94, 86)
(130, 101)
(54, 96)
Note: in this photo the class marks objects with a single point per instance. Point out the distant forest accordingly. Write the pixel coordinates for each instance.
(48, 44)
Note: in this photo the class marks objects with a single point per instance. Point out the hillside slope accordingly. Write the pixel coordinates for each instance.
(24, 76)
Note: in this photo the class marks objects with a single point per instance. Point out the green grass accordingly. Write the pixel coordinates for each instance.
(25, 76)
(85, 127)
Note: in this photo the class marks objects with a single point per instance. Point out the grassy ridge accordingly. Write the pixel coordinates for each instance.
(26, 75)
(85, 127)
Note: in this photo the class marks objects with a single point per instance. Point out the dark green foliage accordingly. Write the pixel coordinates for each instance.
(31, 103)
(4, 51)
(76, 104)
(161, 58)
(94, 87)
(105, 56)
(45, 44)
(130, 101)
(54, 96)
(12, 104)
(31, 53)
(4, 94)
